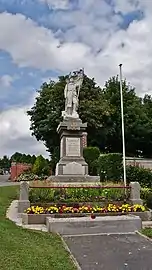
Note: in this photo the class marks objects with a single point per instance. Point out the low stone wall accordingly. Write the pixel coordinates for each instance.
(41, 218)
(24, 202)
(139, 162)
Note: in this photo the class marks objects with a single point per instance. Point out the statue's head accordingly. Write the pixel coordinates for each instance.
(71, 79)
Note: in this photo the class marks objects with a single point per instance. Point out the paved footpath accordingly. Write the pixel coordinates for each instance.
(111, 252)
(5, 182)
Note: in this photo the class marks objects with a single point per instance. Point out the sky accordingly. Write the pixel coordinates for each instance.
(42, 39)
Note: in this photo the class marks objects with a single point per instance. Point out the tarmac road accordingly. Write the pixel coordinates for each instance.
(5, 182)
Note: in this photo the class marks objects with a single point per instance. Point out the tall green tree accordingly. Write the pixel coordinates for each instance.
(23, 158)
(147, 103)
(33, 158)
(137, 125)
(101, 109)
(16, 157)
(45, 115)
(5, 162)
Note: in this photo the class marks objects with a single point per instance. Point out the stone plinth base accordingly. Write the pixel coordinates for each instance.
(74, 179)
(99, 225)
(70, 167)
(71, 148)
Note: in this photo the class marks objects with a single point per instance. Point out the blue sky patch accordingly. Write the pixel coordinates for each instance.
(26, 80)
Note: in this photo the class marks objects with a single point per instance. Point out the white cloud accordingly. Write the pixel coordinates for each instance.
(6, 81)
(31, 45)
(126, 6)
(15, 135)
(88, 37)
(57, 4)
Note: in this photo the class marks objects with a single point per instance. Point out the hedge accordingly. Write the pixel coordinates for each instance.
(110, 167)
(139, 174)
(91, 155)
(146, 196)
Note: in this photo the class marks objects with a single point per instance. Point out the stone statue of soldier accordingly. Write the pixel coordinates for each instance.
(71, 94)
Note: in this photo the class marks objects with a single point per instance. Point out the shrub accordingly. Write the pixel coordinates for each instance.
(110, 167)
(146, 196)
(141, 175)
(41, 195)
(41, 166)
(91, 155)
(149, 200)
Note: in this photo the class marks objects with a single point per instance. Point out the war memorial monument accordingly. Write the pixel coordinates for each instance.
(72, 166)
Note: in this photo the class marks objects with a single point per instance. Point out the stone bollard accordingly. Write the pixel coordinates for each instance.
(135, 193)
(23, 202)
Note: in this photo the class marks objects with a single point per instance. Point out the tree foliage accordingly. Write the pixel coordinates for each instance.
(23, 158)
(110, 167)
(5, 162)
(101, 109)
(45, 115)
(137, 125)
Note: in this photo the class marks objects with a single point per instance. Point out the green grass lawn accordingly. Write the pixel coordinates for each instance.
(147, 232)
(22, 249)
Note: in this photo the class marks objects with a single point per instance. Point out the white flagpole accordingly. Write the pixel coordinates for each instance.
(123, 130)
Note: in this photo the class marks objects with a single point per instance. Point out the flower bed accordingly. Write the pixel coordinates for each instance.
(111, 208)
(38, 214)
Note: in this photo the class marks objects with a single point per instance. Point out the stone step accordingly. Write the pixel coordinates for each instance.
(99, 225)
(74, 178)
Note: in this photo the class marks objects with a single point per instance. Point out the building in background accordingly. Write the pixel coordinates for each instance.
(17, 169)
(139, 162)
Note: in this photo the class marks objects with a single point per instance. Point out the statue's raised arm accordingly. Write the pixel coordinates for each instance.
(79, 80)
(66, 89)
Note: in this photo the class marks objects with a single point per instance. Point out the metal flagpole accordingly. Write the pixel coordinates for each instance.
(123, 130)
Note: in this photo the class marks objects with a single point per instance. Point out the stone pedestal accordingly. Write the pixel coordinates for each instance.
(135, 193)
(71, 161)
(23, 202)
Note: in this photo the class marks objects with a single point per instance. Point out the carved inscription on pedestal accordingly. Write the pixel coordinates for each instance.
(73, 147)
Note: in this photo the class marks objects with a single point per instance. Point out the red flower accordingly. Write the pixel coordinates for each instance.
(93, 216)
(76, 210)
